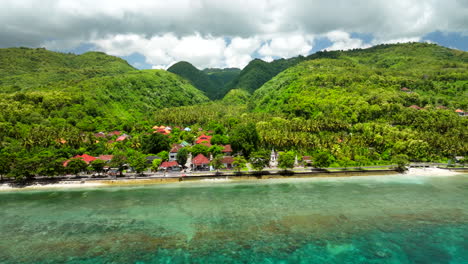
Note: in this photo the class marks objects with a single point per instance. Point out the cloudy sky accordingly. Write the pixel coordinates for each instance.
(227, 33)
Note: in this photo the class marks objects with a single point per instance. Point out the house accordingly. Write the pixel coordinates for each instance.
(100, 135)
(122, 137)
(162, 130)
(415, 107)
(170, 165)
(114, 133)
(227, 162)
(187, 129)
(307, 160)
(203, 138)
(87, 158)
(106, 158)
(460, 112)
(227, 150)
(200, 162)
(173, 153)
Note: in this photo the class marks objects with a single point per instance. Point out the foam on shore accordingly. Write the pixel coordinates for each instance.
(62, 184)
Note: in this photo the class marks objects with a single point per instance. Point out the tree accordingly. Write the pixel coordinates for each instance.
(164, 155)
(216, 150)
(199, 148)
(259, 159)
(244, 138)
(138, 162)
(219, 140)
(76, 166)
(155, 143)
(286, 160)
(182, 156)
(119, 161)
(239, 163)
(98, 165)
(5, 163)
(155, 164)
(217, 163)
(322, 159)
(402, 162)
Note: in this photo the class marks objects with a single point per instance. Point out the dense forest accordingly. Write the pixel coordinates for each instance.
(213, 82)
(345, 108)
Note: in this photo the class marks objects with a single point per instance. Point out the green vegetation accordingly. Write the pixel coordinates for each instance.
(286, 160)
(211, 81)
(342, 108)
(258, 72)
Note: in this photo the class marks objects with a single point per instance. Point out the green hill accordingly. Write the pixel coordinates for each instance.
(258, 72)
(222, 78)
(25, 68)
(92, 91)
(396, 99)
(198, 78)
(435, 76)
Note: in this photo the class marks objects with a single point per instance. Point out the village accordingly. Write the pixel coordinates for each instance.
(181, 159)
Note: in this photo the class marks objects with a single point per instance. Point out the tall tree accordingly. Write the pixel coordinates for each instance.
(75, 166)
(119, 161)
(286, 160)
(138, 162)
(155, 143)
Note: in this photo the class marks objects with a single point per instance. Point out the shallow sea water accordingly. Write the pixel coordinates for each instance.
(384, 219)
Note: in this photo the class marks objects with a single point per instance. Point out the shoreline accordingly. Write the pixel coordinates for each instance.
(87, 183)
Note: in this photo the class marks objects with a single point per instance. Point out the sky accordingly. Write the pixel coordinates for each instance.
(227, 33)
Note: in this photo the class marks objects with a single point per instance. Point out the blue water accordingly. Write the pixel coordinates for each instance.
(385, 219)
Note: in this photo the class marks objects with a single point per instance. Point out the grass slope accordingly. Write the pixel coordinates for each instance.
(25, 69)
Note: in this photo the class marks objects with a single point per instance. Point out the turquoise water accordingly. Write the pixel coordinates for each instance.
(385, 219)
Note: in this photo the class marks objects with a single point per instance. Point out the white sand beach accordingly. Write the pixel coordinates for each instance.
(62, 185)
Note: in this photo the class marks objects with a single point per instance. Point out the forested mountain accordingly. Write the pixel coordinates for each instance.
(390, 98)
(90, 92)
(198, 78)
(258, 72)
(24, 68)
(222, 78)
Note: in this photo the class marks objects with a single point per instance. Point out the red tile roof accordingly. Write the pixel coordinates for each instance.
(459, 111)
(105, 157)
(100, 134)
(228, 160)
(168, 164)
(227, 148)
(87, 158)
(200, 159)
(405, 89)
(114, 133)
(122, 137)
(203, 138)
(175, 148)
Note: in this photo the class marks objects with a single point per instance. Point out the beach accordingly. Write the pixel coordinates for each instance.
(86, 183)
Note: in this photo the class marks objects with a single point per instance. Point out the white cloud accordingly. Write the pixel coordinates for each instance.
(197, 30)
(342, 41)
(287, 46)
(238, 53)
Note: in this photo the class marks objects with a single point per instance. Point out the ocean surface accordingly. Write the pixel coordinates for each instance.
(384, 219)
